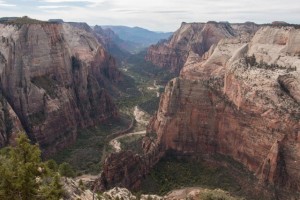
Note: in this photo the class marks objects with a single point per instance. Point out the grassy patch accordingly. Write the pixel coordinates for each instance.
(148, 70)
(171, 173)
(133, 143)
(139, 75)
(85, 155)
(151, 105)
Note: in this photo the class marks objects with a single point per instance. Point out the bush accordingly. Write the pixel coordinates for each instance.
(51, 164)
(65, 169)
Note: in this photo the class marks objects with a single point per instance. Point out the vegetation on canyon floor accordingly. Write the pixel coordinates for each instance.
(90, 148)
(171, 173)
(132, 143)
(86, 154)
(174, 173)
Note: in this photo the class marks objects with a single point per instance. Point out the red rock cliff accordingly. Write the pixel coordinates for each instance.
(54, 77)
(196, 37)
(240, 99)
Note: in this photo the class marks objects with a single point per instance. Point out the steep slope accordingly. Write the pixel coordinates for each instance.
(241, 100)
(54, 78)
(196, 37)
(10, 124)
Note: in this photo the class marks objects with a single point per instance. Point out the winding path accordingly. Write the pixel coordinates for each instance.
(141, 118)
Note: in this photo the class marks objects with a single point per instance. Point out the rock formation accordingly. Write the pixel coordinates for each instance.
(126, 169)
(237, 98)
(186, 193)
(54, 77)
(195, 37)
(10, 124)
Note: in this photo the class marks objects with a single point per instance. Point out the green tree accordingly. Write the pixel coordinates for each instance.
(52, 165)
(66, 170)
(54, 190)
(24, 176)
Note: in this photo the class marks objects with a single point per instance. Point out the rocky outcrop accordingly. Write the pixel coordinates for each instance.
(239, 99)
(126, 169)
(10, 124)
(54, 76)
(185, 193)
(195, 37)
(121, 169)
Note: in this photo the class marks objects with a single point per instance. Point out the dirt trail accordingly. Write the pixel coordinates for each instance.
(155, 87)
(142, 119)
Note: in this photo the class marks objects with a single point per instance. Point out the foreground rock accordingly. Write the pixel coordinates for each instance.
(125, 169)
(74, 192)
(54, 76)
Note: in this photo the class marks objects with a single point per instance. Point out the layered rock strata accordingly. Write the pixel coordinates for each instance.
(242, 101)
(126, 169)
(238, 99)
(196, 37)
(54, 77)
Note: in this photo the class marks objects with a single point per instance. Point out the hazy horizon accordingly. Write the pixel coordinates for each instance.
(155, 15)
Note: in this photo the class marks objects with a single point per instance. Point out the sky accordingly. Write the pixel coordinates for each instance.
(157, 15)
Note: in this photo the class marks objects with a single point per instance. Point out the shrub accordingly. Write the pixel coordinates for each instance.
(65, 169)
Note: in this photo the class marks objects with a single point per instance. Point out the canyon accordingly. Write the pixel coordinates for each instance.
(237, 95)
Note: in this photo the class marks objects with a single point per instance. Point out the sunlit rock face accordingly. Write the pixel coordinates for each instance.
(239, 99)
(196, 37)
(54, 76)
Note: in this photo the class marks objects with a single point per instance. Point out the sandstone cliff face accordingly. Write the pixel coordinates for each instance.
(240, 99)
(195, 37)
(126, 169)
(54, 77)
(10, 124)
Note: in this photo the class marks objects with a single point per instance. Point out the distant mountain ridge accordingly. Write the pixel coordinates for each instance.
(114, 44)
(138, 35)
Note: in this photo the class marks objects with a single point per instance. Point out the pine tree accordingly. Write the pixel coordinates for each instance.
(24, 176)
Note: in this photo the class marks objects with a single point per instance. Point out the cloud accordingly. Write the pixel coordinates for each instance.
(5, 4)
(63, 1)
(164, 15)
(52, 7)
(171, 11)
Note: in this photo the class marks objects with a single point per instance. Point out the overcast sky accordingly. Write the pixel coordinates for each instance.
(159, 15)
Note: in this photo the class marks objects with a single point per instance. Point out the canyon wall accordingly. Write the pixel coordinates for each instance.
(241, 100)
(196, 37)
(54, 77)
